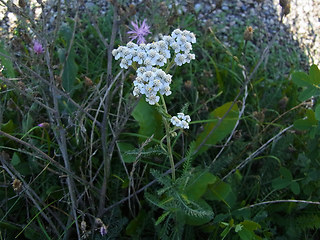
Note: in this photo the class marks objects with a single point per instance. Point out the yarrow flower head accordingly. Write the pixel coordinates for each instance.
(139, 32)
(152, 81)
(157, 53)
(181, 120)
(37, 47)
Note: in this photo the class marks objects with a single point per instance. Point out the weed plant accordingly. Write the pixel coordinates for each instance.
(86, 156)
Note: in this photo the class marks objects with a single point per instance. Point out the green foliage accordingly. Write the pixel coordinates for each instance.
(308, 221)
(219, 191)
(67, 59)
(95, 129)
(149, 120)
(310, 83)
(286, 180)
(124, 149)
(214, 133)
(182, 201)
(198, 184)
(247, 230)
(308, 123)
(135, 227)
(6, 62)
(8, 127)
(15, 160)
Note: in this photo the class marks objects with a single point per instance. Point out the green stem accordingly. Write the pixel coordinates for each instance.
(169, 149)
(170, 64)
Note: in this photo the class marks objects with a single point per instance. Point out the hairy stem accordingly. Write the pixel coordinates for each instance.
(169, 149)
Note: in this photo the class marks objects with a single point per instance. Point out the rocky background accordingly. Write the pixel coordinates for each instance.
(301, 26)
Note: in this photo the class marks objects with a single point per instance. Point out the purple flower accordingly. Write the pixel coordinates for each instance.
(103, 230)
(139, 32)
(44, 125)
(37, 47)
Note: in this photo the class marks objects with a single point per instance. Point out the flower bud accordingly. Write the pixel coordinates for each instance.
(83, 226)
(17, 185)
(286, 10)
(188, 84)
(87, 81)
(44, 125)
(248, 34)
(174, 134)
(58, 80)
(283, 103)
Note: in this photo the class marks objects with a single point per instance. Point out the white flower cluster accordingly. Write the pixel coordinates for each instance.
(151, 81)
(181, 120)
(181, 43)
(157, 53)
(151, 54)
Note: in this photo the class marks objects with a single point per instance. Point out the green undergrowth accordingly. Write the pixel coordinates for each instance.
(263, 185)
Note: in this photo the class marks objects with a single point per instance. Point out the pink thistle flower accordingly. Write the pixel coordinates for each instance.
(139, 32)
(37, 47)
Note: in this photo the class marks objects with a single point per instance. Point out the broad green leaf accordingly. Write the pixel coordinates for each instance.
(70, 67)
(309, 83)
(197, 186)
(125, 147)
(8, 70)
(250, 225)
(8, 127)
(295, 187)
(280, 183)
(314, 74)
(218, 191)
(15, 160)
(285, 173)
(247, 232)
(301, 79)
(149, 120)
(212, 134)
(307, 123)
